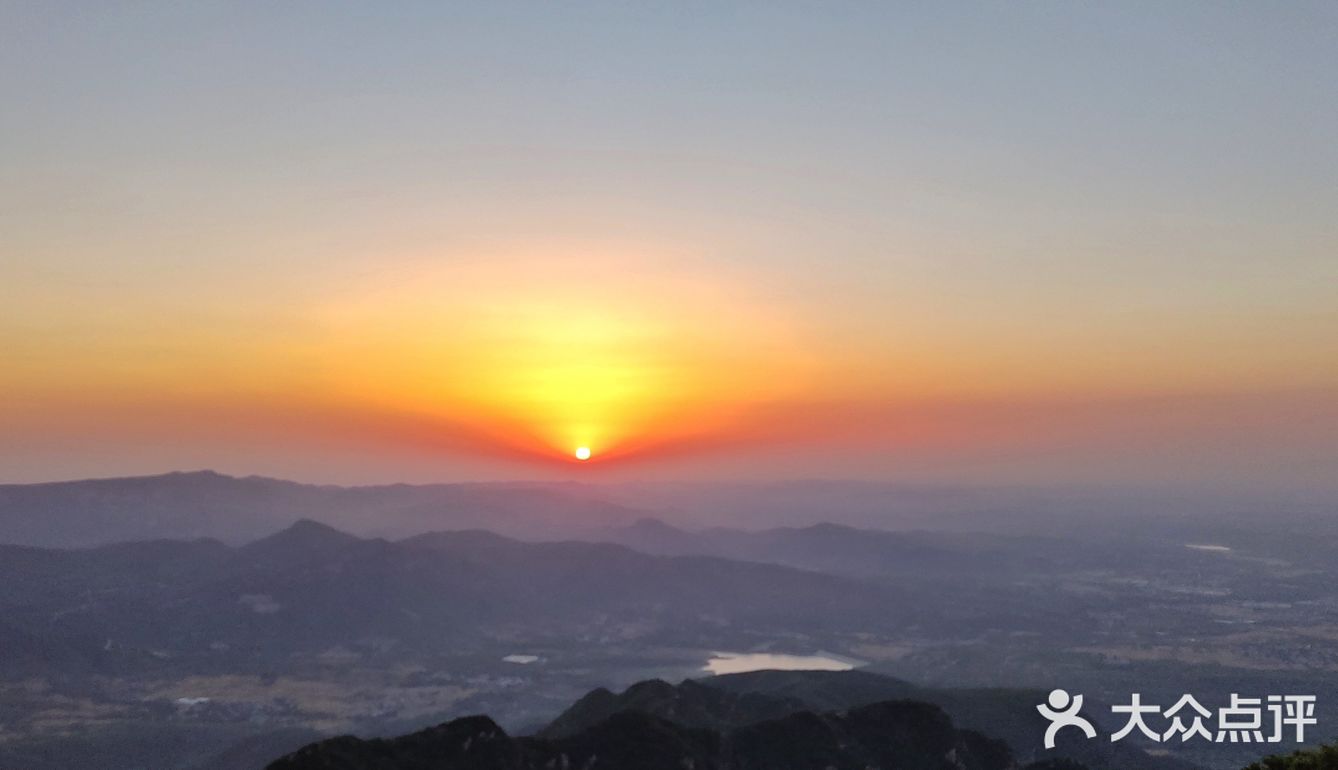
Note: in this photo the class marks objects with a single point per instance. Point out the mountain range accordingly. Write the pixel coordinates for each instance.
(205, 504)
(212, 622)
(310, 588)
(772, 720)
(903, 735)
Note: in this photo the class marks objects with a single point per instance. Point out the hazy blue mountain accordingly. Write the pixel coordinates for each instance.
(871, 553)
(207, 504)
(852, 526)
(311, 587)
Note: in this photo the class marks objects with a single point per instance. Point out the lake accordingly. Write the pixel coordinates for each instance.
(740, 662)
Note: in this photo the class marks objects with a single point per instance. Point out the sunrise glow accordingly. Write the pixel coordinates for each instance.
(457, 272)
(364, 367)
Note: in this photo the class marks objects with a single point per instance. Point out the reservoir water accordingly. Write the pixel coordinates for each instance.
(740, 662)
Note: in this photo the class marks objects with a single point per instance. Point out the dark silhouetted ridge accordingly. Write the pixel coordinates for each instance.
(689, 704)
(902, 735)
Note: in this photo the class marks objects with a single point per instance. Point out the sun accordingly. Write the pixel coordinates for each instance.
(582, 453)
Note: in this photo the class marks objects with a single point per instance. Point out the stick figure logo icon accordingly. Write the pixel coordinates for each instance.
(1062, 711)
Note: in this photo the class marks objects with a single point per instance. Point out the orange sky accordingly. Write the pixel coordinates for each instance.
(501, 367)
(412, 247)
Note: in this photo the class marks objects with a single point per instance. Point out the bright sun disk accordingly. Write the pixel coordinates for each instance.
(582, 453)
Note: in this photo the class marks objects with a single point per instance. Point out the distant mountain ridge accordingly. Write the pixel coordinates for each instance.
(186, 505)
(195, 504)
(882, 554)
(311, 587)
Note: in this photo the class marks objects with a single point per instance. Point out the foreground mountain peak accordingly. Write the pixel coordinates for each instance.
(900, 734)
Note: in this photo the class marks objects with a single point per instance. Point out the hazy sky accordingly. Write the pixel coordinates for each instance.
(1038, 242)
